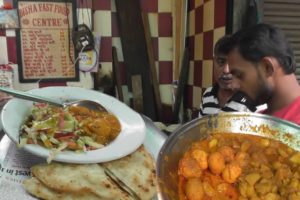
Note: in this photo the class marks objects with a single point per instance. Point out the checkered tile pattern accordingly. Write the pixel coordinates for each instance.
(105, 24)
(160, 21)
(206, 24)
(207, 20)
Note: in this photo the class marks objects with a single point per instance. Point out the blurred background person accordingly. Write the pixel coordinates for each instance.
(224, 94)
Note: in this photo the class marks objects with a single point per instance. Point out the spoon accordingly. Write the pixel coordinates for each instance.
(92, 105)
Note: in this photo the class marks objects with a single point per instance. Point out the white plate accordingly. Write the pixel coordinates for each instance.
(130, 138)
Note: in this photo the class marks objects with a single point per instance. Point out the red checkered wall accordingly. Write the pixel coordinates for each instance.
(206, 24)
(206, 21)
(105, 23)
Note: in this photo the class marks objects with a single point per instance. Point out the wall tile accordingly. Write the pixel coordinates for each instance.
(85, 4)
(165, 6)
(102, 23)
(106, 49)
(208, 45)
(218, 33)
(3, 51)
(102, 4)
(207, 73)
(149, 5)
(197, 91)
(165, 47)
(220, 16)
(191, 23)
(191, 46)
(166, 94)
(198, 73)
(2, 33)
(199, 49)
(12, 49)
(10, 33)
(191, 73)
(208, 16)
(165, 24)
(165, 72)
(199, 19)
(153, 23)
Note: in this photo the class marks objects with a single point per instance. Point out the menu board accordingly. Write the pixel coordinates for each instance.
(45, 48)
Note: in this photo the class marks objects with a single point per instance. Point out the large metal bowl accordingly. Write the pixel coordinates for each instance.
(238, 123)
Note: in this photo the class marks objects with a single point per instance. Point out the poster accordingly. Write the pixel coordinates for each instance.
(45, 48)
(9, 19)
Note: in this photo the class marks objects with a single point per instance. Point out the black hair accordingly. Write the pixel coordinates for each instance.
(263, 40)
(221, 45)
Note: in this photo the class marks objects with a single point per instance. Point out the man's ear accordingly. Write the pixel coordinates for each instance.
(268, 66)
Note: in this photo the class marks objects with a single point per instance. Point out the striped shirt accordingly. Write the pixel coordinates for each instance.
(210, 103)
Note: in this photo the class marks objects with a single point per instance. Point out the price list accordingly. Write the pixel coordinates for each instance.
(45, 54)
(46, 49)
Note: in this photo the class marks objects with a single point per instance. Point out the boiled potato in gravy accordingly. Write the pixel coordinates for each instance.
(239, 167)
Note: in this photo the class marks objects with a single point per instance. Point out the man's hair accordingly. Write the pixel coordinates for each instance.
(221, 45)
(263, 40)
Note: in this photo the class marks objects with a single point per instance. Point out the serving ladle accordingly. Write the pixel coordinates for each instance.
(92, 105)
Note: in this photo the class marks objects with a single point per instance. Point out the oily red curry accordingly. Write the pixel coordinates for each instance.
(103, 126)
(239, 167)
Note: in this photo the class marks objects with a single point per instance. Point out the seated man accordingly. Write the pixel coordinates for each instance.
(263, 64)
(223, 96)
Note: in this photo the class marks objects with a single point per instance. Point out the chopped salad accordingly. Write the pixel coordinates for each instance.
(73, 128)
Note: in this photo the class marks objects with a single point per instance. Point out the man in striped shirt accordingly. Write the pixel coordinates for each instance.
(223, 95)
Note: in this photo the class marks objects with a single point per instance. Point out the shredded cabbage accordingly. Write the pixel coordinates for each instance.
(56, 129)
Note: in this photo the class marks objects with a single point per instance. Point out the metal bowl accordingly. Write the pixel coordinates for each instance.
(238, 123)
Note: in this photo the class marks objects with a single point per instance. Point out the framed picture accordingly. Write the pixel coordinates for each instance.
(44, 45)
(9, 19)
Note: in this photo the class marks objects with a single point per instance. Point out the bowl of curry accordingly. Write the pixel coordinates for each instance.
(231, 156)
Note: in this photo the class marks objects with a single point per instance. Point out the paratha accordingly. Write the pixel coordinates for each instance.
(40, 190)
(137, 172)
(78, 179)
(90, 181)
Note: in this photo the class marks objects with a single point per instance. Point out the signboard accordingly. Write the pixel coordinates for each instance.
(45, 48)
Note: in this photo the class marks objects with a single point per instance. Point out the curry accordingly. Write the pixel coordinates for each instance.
(103, 126)
(239, 167)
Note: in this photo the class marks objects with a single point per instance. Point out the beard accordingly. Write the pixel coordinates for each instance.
(263, 93)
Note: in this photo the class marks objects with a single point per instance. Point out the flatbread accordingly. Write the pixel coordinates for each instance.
(78, 179)
(65, 181)
(38, 189)
(137, 171)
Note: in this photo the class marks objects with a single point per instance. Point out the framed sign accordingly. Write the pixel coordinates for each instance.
(45, 49)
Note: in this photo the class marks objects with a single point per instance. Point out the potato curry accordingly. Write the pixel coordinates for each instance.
(104, 126)
(239, 167)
